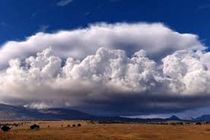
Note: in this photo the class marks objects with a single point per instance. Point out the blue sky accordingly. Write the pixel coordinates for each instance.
(118, 57)
(19, 19)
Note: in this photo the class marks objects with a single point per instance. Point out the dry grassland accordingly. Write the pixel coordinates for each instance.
(63, 130)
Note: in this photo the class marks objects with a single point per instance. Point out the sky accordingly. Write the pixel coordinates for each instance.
(24, 18)
(110, 57)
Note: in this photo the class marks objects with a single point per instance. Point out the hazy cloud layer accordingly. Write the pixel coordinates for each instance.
(126, 69)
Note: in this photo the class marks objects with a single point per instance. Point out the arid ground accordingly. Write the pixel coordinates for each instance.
(63, 130)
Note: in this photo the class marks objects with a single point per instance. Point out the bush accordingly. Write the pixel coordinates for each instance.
(5, 128)
(78, 125)
(34, 126)
(198, 123)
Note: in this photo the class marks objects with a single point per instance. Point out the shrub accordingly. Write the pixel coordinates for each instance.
(34, 126)
(78, 125)
(5, 128)
(198, 123)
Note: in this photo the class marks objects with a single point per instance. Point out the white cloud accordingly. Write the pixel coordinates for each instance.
(43, 76)
(108, 69)
(106, 79)
(156, 39)
(188, 74)
(205, 59)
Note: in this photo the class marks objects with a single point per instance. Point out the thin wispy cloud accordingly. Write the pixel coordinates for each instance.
(43, 28)
(3, 24)
(64, 2)
(204, 7)
(114, 0)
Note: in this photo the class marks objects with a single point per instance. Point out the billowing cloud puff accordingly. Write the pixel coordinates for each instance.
(187, 73)
(108, 69)
(108, 81)
(156, 39)
(96, 77)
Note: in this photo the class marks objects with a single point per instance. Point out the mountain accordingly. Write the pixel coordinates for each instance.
(173, 118)
(205, 117)
(139, 120)
(8, 112)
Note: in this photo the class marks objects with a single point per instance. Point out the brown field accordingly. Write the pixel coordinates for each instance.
(58, 130)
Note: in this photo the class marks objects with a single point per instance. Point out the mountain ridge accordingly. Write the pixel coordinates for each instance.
(9, 112)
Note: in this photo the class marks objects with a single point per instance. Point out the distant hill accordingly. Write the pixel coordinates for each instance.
(173, 118)
(139, 120)
(8, 112)
(203, 118)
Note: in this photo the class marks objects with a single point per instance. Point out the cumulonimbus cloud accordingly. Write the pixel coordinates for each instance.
(156, 39)
(125, 69)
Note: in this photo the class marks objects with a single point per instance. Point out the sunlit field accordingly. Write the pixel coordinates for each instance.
(65, 130)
